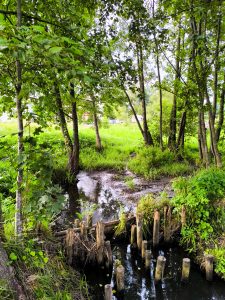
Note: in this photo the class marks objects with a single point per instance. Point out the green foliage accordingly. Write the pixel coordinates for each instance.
(152, 163)
(44, 275)
(199, 195)
(219, 256)
(121, 227)
(147, 206)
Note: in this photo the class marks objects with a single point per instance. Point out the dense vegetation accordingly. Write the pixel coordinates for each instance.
(68, 66)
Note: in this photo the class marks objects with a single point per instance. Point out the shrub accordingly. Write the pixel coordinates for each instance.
(200, 195)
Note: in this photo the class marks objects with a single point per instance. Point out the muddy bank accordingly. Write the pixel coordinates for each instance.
(112, 192)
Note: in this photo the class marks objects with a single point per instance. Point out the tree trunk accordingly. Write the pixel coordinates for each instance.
(147, 135)
(213, 133)
(221, 112)
(74, 157)
(217, 67)
(19, 199)
(160, 103)
(62, 119)
(134, 112)
(181, 134)
(160, 86)
(95, 117)
(173, 115)
(202, 138)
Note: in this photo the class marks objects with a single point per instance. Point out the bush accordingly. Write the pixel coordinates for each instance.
(152, 163)
(205, 216)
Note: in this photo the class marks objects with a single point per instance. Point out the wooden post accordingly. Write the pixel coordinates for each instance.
(139, 221)
(209, 267)
(108, 292)
(167, 223)
(120, 278)
(133, 236)
(100, 241)
(69, 245)
(185, 269)
(89, 220)
(83, 230)
(156, 227)
(183, 216)
(144, 248)
(108, 254)
(160, 266)
(148, 255)
(76, 223)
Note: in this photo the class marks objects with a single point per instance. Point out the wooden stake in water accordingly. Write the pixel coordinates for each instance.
(133, 236)
(185, 269)
(144, 248)
(83, 230)
(160, 267)
(89, 220)
(148, 255)
(139, 221)
(76, 223)
(156, 227)
(100, 241)
(108, 254)
(209, 267)
(108, 292)
(120, 278)
(167, 223)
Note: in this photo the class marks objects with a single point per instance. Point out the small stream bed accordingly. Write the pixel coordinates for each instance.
(109, 191)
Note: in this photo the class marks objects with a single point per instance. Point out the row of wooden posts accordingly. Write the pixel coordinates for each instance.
(136, 240)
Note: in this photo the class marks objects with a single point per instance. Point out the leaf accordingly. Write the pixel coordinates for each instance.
(55, 50)
(45, 259)
(13, 256)
(32, 253)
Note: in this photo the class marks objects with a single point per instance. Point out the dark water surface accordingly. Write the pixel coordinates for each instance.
(139, 283)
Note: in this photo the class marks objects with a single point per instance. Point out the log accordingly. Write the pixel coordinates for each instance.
(108, 227)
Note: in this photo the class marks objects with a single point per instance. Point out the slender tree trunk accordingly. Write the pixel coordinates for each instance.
(216, 153)
(160, 86)
(160, 102)
(97, 135)
(74, 157)
(221, 112)
(217, 67)
(181, 134)
(202, 137)
(19, 199)
(134, 112)
(173, 115)
(147, 135)
(62, 119)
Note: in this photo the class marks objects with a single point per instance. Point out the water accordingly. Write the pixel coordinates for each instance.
(109, 192)
(140, 285)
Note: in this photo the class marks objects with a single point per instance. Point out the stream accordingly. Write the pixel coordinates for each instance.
(106, 193)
